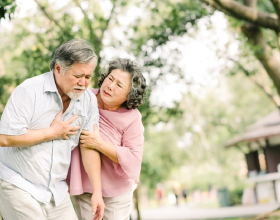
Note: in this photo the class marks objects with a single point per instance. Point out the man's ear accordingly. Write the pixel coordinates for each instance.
(57, 69)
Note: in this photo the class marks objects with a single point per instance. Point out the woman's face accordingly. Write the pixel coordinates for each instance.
(114, 89)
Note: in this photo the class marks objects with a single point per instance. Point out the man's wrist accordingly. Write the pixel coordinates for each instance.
(49, 134)
(97, 192)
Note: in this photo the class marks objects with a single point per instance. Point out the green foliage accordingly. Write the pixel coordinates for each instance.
(266, 6)
(271, 38)
(4, 94)
(211, 121)
(169, 19)
(161, 156)
(7, 7)
(27, 50)
(236, 196)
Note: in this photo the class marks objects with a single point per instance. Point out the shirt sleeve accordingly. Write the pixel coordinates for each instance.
(92, 115)
(131, 151)
(18, 113)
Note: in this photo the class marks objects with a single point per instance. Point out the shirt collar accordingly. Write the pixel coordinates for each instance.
(49, 85)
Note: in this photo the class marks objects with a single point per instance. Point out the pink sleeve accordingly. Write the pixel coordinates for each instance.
(130, 153)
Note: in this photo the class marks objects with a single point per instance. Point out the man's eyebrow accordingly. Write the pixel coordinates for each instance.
(81, 74)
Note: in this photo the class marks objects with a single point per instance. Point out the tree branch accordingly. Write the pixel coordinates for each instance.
(216, 6)
(264, 88)
(108, 20)
(238, 10)
(278, 39)
(268, 57)
(88, 21)
(43, 9)
(276, 4)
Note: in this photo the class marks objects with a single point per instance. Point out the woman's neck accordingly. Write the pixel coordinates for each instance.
(99, 101)
(103, 106)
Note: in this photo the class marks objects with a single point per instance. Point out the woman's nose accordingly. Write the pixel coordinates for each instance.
(111, 86)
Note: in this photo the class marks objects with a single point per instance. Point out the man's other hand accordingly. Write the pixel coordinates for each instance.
(97, 206)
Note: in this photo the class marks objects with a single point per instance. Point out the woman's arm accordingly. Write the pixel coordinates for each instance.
(128, 157)
(94, 141)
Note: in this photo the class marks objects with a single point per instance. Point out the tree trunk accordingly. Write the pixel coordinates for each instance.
(269, 59)
(136, 203)
(96, 75)
(245, 12)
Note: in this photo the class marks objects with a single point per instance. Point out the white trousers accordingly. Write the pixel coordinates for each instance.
(17, 204)
(116, 208)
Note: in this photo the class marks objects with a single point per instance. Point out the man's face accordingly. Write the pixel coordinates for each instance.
(74, 81)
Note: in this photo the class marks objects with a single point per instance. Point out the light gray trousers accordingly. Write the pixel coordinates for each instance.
(116, 208)
(17, 204)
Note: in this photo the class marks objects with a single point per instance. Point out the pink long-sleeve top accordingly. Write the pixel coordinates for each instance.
(124, 129)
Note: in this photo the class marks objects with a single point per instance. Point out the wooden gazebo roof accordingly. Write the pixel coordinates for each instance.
(268, 126)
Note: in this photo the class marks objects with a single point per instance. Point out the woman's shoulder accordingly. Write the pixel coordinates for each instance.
(95, 91)
(130, 112)
(132, 116)
(123, 117)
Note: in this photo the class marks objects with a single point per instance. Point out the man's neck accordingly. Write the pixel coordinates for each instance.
(66, 104)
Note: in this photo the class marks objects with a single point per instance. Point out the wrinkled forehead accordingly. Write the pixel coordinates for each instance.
(121, 76)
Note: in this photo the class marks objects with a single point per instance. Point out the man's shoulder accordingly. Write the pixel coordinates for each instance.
(89, 96)
(31, 86)
(34, 82)
(88, 101)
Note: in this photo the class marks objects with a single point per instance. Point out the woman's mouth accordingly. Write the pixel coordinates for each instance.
(106, 93)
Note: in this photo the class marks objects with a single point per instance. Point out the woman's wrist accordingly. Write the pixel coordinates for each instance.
(98, 146)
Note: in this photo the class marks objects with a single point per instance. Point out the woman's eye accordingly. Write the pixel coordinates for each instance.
(119, 86)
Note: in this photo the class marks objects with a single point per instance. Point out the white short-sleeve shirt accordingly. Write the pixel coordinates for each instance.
(41, 169)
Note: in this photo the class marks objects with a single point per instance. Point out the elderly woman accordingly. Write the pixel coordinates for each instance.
(119, 141)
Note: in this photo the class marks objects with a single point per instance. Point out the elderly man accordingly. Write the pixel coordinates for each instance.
(39, 128)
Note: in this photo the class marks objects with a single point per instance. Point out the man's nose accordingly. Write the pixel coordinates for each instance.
(82, 81)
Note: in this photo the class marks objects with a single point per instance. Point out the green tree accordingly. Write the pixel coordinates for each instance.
(259, 22)
(27, 49)
(211, 117)
(162, 156)
(7, 7)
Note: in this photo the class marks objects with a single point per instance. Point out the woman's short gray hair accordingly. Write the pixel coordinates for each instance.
(137, 92)
(71, 52)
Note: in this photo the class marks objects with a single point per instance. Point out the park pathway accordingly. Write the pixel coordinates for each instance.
(184, 212)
